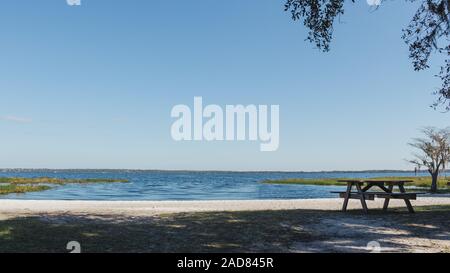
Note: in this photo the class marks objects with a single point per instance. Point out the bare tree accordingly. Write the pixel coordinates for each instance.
(434, 152)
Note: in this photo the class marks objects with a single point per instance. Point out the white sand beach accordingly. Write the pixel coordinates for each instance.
(142, 226)
(144, 208)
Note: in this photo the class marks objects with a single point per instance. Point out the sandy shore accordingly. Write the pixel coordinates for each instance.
(307, 225)
(159, 207)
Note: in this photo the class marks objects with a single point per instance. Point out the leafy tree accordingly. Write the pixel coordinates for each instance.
(434, 152)
(427, 33)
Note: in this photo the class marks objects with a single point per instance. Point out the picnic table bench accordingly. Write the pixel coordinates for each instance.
(386, 186)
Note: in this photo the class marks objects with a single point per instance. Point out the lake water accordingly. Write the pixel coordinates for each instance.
(184, 185)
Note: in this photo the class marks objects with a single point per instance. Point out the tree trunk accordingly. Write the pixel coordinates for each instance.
(434, 180)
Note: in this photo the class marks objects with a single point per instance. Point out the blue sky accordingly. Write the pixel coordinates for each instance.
(93, 86)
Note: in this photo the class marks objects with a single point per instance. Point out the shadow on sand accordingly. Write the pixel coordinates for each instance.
(262, 231)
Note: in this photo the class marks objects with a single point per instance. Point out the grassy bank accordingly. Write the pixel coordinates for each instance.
(23, 185)
(58, 181)
(7, 189)
(421, 182)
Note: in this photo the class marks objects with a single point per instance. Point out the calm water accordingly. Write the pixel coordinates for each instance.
(179, 185)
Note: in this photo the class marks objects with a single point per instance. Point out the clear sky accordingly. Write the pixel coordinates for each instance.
(93, 86)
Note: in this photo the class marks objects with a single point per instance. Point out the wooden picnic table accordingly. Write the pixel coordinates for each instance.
(387, 187)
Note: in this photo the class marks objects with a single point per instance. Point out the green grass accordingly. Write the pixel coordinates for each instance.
(23, 185)
(305, 181)
(7, 189)
(58, 181)
(421, 182)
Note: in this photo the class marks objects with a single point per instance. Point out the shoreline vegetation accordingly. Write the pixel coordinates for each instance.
(19, 185)
(209, 170)
(10, 185)
(422, 182)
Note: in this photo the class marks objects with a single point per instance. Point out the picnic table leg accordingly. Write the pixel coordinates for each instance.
(408, 203)
(347, 196)
(366, 188)
(386, 201)
(362, 198)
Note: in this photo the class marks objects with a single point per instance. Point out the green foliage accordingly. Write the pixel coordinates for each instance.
(23, 185)
(7, 189)
(59, 181)
(418, 181)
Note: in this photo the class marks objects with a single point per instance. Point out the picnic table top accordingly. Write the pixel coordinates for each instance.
(393, 181)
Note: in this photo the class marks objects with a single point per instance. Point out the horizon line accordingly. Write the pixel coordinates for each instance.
(209, 170)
